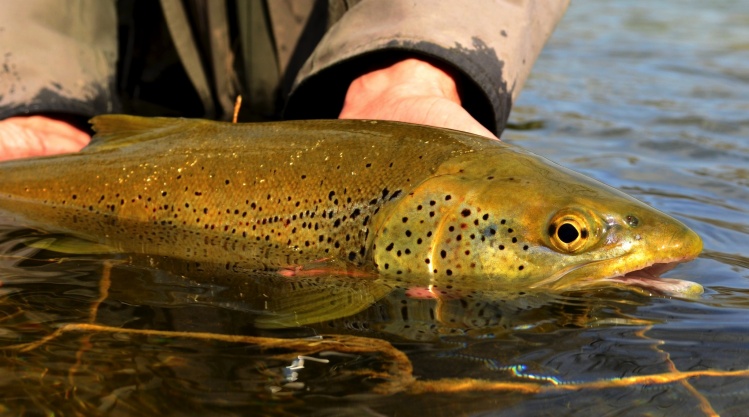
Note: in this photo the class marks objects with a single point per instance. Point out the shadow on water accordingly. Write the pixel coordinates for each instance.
(652, 98)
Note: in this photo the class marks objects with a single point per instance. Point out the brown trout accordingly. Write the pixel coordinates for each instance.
(377, 201)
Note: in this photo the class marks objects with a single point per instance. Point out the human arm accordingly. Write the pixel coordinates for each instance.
(487, 47)
(26, 136)
(411, 90)
(57, 67)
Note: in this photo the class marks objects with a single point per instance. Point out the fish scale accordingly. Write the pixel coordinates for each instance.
(426, 206)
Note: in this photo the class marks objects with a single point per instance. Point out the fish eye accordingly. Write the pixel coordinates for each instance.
(568, 232)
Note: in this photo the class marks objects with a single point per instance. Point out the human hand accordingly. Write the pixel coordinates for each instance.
(413, 91)
(26, 136)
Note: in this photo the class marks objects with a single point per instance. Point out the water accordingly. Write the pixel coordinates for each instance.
(651, 97)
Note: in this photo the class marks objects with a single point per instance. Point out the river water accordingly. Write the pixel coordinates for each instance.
(650, 97)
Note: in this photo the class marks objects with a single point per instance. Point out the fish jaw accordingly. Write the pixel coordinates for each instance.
(649, 278)
(643, 273)
(649, 281)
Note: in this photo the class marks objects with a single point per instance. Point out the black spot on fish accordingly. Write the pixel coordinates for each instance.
(352, 256)
(163, 193)
(390, 247)
(525, 247)
(465, 213)
(427, 260)
(510, 230)
(418, 241)
(451, 228)
(405, 219)
(418, 207)
(448, 197)
(449, 272)
(408, 233)
(443, 254)
(520, 268)
(330, 195)
(431, 203)
(501, 247)
(395, 194)
(514, 240)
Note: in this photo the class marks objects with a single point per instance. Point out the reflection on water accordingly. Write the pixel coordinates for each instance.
(652, 98)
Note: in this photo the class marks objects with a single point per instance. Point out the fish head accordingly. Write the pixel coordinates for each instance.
(508, 219)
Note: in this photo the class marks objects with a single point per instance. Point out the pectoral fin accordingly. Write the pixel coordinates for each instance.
(69, 245)
(309, 301)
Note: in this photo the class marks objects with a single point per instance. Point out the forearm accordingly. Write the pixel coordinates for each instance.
(59, 57)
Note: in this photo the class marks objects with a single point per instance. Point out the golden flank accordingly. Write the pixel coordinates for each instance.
(426, 207)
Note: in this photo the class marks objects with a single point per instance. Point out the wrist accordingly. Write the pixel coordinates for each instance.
(408, 78)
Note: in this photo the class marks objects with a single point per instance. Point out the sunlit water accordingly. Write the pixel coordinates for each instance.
(651, 97)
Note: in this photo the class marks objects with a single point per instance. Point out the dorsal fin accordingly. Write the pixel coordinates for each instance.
(116, 130)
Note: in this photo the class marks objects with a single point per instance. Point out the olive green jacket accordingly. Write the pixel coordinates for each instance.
(290, 57)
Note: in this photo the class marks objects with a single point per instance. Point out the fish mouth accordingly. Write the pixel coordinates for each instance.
(649, 282)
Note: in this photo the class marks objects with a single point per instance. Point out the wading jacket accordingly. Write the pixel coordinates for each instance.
(294, 58)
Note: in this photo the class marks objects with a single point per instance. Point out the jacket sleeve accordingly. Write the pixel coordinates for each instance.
(58, 57)
(490, 44)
